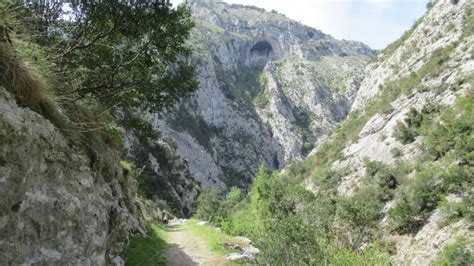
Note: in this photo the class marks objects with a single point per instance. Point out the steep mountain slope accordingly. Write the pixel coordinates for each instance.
(269, 89)
(410, 133)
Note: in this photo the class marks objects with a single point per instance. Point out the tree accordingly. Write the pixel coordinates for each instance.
(122, 54)
(208, 204)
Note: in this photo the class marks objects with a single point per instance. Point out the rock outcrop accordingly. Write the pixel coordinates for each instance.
(431, 65)
(270, 88)
(57, 207)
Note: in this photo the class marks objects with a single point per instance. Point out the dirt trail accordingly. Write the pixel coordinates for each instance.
(186, 248)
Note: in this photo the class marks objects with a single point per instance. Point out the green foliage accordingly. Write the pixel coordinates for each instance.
(408, 131)
(307, 148)
(208, 204)
(453, 132)
(6, 23)
(146, 250)
(454, 211)
(456, 254)
(415, 200)
(404, 134)
(358, 216)
(122, 55)
(79, 71)
(396, 152)
(385, 178)
(292, 226)
(263, 97)
(141, 129)
(447, 138)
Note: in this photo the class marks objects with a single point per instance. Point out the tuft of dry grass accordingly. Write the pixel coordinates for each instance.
(27, 85)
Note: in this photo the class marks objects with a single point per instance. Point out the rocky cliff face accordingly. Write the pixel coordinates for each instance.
(57, 207)
(432, 65)
(269, 89)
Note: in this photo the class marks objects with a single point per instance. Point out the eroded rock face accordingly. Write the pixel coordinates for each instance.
(165, 176)
(55, 209)
(269, 89)
(441, 27)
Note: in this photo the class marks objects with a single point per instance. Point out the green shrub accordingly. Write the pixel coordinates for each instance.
(415, 201)
(451, 212)
(456, 254)
(242, 221)
(358, 216)
(385, 178)
(408, 131)
(307, 148)
(226, 206)
(372, 167)
(396, 152)
(404, 134)
(208, 205)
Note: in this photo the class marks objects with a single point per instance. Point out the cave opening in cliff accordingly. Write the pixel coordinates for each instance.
(262, 48)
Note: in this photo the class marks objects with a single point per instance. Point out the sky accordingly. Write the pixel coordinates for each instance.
(373, 22)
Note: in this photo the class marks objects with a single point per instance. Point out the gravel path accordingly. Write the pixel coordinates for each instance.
(186, 248)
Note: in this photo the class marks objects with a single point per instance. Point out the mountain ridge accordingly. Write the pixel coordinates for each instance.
(249, 108)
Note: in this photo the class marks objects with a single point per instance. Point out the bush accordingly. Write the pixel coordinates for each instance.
(396, 152)
(232, 198)
(208, 205)
(456, 254)
(242, 221)
(358, 216)
(415, 201)
(408, 131)
(451, 212)
(385, 178)
(307, 148)
(404, 134)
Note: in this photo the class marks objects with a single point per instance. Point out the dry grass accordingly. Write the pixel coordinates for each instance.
(27, 85)
(84, 124)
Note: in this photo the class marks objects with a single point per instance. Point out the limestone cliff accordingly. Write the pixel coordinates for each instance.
(269, 89)
(430, 67)
(57, 206)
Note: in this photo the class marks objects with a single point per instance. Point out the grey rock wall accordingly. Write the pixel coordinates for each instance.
(270, 88)
(56, 208)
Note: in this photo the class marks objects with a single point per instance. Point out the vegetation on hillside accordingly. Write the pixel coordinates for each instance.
(293, 226)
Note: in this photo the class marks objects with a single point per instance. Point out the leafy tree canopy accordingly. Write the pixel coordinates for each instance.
(122, 54)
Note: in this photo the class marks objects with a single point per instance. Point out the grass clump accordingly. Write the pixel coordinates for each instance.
(147, 250)
(25, 83)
